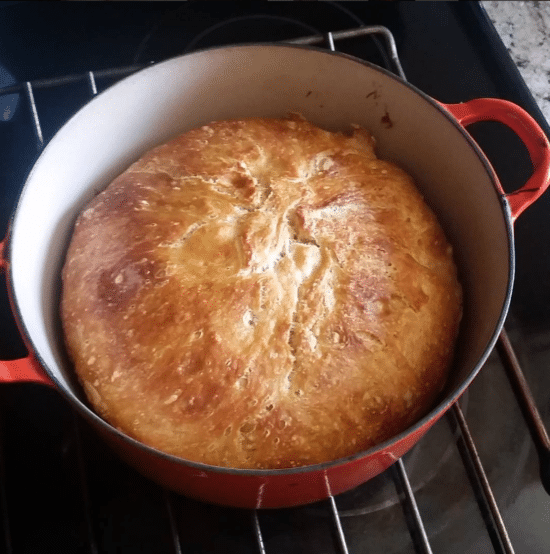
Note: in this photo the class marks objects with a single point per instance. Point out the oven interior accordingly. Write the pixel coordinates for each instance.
(472, 484)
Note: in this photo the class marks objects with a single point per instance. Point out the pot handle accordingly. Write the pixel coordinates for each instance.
(24, 369)
(530, 133)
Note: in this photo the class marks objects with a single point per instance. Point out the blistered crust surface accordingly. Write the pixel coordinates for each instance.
(260, 294)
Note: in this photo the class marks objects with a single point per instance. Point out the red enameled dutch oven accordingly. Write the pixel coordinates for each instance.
(332, 90)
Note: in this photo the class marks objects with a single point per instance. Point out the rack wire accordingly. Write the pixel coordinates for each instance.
(465, 444)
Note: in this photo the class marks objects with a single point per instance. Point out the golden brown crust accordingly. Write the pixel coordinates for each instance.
(261, 294)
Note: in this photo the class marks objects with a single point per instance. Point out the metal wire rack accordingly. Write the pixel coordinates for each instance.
(456, 419)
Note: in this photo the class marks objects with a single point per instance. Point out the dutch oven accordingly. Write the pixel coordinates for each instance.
(423, 136)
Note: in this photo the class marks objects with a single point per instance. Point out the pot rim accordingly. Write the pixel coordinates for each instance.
(433, 415)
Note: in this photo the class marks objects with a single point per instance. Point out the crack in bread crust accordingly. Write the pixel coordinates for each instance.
(260, 293)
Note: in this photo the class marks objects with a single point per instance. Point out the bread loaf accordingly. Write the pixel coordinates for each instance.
(261, 294)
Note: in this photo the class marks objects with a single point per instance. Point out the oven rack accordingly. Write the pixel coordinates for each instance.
(466, 447)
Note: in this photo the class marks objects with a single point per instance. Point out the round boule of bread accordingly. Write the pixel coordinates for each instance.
(261, 293)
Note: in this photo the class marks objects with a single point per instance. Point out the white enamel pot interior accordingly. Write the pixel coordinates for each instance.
(331, 90)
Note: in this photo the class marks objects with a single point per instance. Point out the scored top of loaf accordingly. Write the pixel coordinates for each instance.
(261, 293)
